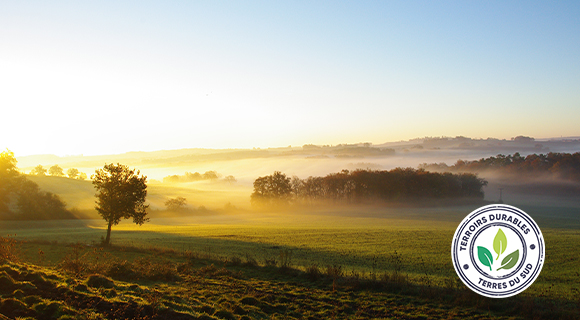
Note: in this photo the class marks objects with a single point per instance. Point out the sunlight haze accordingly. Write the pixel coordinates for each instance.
(219, 159)
(109, 77)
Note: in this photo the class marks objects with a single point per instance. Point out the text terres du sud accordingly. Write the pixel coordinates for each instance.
(492, 217)
(503, 285)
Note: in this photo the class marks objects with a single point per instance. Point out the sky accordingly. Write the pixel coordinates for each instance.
(104, 77)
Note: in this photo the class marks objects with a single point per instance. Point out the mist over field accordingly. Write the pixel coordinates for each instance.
(256, 160)
(246, 165)
(337, 218)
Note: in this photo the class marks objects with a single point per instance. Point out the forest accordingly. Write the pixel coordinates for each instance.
(22, 199)
(558, 165)
(400, 184)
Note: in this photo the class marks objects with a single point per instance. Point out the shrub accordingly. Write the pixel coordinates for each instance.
(155, 270)
(100, 281)
(212, 271)
(250, 261)
(8, 249)
(285, 258)
(184, 267)
(334, 271)
(75, 262)
(395, 280)
(313, 272)
(122, 270)
(270, 262)
(234, 261)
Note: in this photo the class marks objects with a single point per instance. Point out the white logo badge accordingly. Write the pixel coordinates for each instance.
(498, 251)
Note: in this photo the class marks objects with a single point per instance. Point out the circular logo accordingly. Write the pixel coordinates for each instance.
(498, 251)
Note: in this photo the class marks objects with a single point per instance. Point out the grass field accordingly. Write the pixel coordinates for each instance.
(368, 240)
(289, 260)
(197, 289)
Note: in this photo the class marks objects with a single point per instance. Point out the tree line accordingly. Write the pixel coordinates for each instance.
(399, 184)
(57, 171)
(196, 176)
(560, 165)
(22, 199)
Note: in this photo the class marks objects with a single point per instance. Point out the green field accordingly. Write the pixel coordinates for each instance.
(365, 240)
(305, 262)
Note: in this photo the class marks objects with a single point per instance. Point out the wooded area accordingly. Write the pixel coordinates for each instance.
(399, 184)
(559, 165)
(22, 199)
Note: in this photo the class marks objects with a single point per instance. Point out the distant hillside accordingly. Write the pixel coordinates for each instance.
(77, 194)
(563, 166)
(433, 145)
(522, 144)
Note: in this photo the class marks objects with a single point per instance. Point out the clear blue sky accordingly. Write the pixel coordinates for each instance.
(107, 77)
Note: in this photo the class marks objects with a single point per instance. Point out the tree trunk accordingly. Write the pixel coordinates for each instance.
(108, 239)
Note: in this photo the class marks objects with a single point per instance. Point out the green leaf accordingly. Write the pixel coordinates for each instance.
(485, 257)
(499, 243)
(510, 261)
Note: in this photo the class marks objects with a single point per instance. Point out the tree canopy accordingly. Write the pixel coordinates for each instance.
(400, 184)
(274, 189)
(561, 165)
(35, 204)
(9, 178)
(176, 204)
(72, 173)
(121, 194)
(56, 171)
(22, 199)
(38, 171)
(191, 177)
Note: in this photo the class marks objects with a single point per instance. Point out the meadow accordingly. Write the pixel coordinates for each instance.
(223, 259)
(365, 241)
